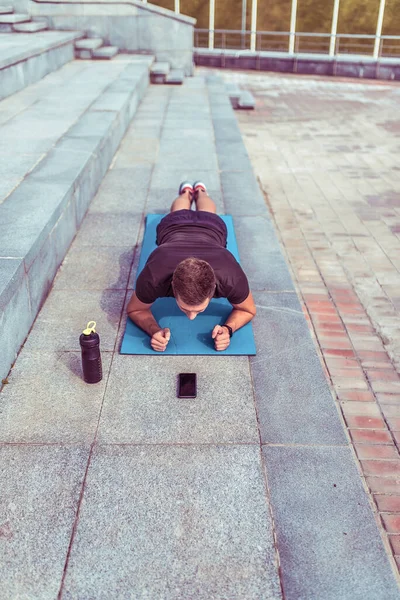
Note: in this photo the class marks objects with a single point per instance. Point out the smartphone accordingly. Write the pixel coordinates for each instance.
(187, 387)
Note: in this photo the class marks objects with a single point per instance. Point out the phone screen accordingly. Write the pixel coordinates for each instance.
(187, 385)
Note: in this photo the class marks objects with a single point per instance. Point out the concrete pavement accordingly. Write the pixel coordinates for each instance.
(122, 490)
(326, 155)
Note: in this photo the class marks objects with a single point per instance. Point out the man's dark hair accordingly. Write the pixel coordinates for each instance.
(194, 281)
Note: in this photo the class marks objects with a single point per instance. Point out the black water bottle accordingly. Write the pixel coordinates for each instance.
(91, 357)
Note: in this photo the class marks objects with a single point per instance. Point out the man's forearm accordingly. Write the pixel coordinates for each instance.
(145, 320)
(238, 318)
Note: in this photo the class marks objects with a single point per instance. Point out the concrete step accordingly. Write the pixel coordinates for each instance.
(4, 10)
(54, 167)
(88, 44)
(234, 93)
(83, 54)
(159, 72)
(240, 99)
(13, 18)
(246, 101)
(175, 77)
(106, 52)
(31, 27)
(27, 57)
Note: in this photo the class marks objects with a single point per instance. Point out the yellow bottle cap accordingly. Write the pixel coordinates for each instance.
(91, 328)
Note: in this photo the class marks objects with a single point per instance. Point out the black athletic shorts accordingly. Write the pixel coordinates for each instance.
(192, 227)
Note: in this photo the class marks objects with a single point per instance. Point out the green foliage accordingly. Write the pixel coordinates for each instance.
(198, 9)
(355, 16)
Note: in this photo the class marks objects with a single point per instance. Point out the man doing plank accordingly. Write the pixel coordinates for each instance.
(192, 264)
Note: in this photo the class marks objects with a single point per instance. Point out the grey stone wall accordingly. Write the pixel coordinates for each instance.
(133, 27)
(302, 64)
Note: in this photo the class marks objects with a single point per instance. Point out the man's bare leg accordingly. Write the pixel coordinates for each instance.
(182, 202)
(204, 202)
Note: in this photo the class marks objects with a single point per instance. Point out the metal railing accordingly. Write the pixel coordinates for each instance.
(293, 41)
(300, 42)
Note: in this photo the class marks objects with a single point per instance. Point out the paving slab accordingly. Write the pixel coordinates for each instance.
(124, 189)
(133, 152)
(99, 229)
(150, 123)
(13, 171)
(40, 492)
(260, 254)
(223, 411)
(150, 129)
(152, 108)
(93, 124)
(294, 402)
(323, 518)
(202, 149)
(78, 308)
(30, 127)
(91, 268)
(232, 156)
(160, 199)
(192, 163)
(191, 131)
(167, 177)
(63, 165)
(176, 120)
(242, 194)
(226, 128)
(205, 142)
(111, 101)
(196, 112)
(198, 96)
(192, 522)
(47, 401)
(198, 100)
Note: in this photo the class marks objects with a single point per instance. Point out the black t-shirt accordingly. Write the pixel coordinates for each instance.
(155, 279)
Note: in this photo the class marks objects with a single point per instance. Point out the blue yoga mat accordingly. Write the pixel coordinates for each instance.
(187, 337)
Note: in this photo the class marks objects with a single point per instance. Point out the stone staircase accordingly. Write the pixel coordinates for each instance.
(240, 99)
(90, 48)
(20, 23)
(161, 73)
(25, 58)
(51, 167)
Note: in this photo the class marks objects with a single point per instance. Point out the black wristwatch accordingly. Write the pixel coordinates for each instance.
(229, 330)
